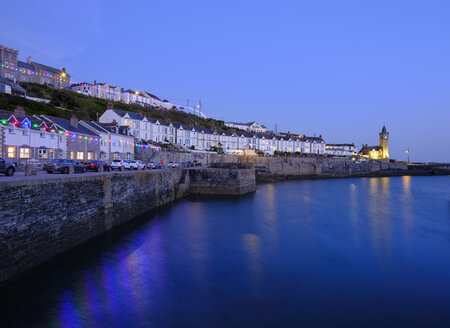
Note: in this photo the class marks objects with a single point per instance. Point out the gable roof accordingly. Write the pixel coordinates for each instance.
(24, 65)
(47, 68)
(122, 113)
(14, 87)
(65, 124)
(370, 148)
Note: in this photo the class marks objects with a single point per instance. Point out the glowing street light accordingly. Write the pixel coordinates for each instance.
(63, 74)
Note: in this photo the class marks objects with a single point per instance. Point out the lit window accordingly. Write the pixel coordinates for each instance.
(116, 156)
(90, 155)
(11, 152)
(42, 153)
(24, 153)
(80, 155)
(71, 155)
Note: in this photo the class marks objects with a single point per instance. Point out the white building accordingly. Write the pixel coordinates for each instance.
(27, 137)
(313, 145)
(251, 126)
(140, 127)
(116, 141)
(341, 149)
(97, 90)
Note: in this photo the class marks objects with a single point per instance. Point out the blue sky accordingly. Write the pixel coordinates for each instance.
(337, 68)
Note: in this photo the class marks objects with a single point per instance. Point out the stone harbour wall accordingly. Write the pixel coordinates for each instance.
(41, 218)
(279, 168)
(219, 181)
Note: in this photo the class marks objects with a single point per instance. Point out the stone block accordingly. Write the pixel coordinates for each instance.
(101, 168)
(71, 169)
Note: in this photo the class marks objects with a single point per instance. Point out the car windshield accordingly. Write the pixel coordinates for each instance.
(54, 161)
(116, 161)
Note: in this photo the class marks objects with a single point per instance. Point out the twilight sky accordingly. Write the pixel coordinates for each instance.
(337, 68)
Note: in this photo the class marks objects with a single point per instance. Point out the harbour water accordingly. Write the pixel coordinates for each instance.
(367, 252)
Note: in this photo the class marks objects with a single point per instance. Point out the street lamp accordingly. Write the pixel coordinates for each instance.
(407, 151)
(60, 79)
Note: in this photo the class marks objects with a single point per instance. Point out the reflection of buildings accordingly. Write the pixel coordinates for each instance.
(377, 152)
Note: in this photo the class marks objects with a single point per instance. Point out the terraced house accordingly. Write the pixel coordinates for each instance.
(156, 130)
(24, 138)
(30, 71)
(80, 143)
(116, 142)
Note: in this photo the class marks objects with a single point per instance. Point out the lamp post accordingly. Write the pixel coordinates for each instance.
(407, 151)
(60, 79)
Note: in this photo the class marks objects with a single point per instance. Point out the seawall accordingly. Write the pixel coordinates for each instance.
(42, 217)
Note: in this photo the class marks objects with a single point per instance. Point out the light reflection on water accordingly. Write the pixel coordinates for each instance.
(347, 252)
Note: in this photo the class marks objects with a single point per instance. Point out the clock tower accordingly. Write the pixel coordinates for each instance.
(384, 142)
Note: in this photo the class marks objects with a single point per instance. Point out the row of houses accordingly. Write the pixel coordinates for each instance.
(115, 93)
(117, 134)
(43, 137)
(159, 131)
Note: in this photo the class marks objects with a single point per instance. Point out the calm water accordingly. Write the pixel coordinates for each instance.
(350, 252)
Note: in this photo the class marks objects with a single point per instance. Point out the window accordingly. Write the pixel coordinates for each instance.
(42, 135)
(127, 123)
(11, 152)
(25, 132)
(71, 155)
(24, 153)
(51, 153)
(116, 156)
(42, 153)
(128, 156)
(90, 155)
(80, 155)
(11, 131)
(52, 136)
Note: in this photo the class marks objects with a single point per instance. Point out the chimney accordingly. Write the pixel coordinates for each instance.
(114, 122)
(95, 82)
(110, 105)
(74, 121)
(29, 60)
(122, 90)
(19, 112)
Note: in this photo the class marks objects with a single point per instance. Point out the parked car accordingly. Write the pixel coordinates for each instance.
(197, 163)
(62, 166)
(173, 164)
(116, 164)
(153, 165)
(7, 167)
(136, 164)
(94, 165)
(185, 164)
